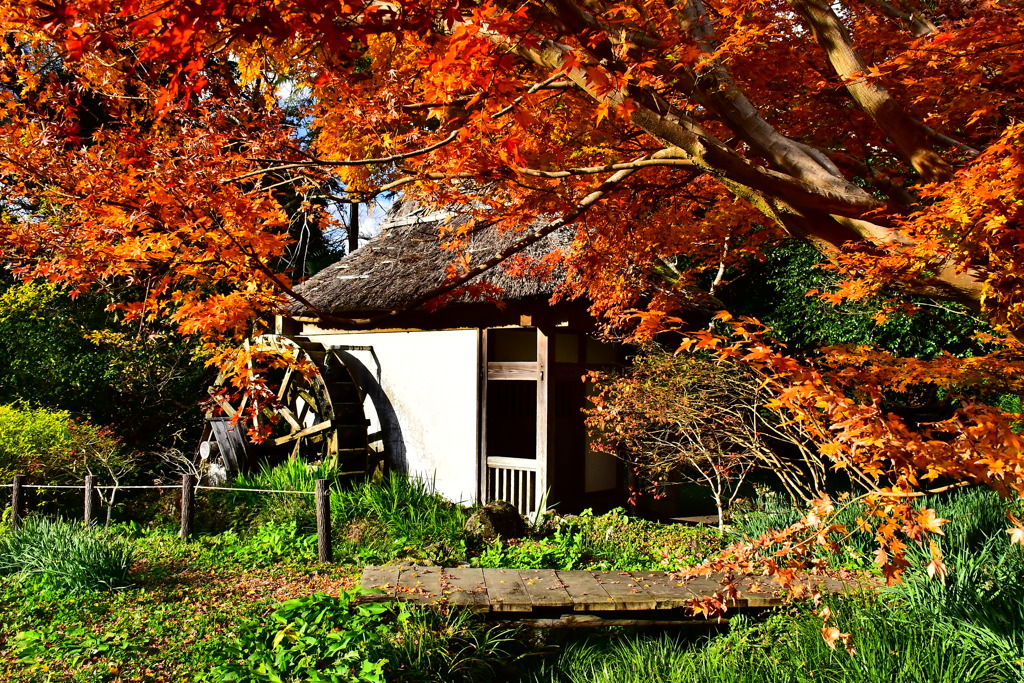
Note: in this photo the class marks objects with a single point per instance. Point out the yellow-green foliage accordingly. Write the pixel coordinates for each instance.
(72, 354)
(51, 444)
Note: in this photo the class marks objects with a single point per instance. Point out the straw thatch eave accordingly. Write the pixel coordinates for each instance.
(393, 271)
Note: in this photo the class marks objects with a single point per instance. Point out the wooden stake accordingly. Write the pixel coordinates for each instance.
(353, 227)
(323, 521)
(188, 504)
(90, 499)
(17, 501)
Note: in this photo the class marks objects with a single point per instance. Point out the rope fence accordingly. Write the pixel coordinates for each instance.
(188, 487)
(228, 488)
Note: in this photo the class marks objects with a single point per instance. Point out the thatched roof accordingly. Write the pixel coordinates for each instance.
(407, 260)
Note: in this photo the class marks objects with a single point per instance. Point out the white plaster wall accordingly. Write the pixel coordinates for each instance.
(422, 401)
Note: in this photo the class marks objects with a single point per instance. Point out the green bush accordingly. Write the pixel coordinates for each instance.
(51, 444)
(73, 354)
(613, 541)
(66, 555)
(339, 640)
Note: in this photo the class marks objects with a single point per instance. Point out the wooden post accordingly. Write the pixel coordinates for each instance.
(353, 227)
(90, 499)
(17, 500)
(188, 505)
(323, 521)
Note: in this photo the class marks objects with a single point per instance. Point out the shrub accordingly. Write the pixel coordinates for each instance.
(35, 440)
(72, 354)
(695, 418)
(66, 555)
(613, 541)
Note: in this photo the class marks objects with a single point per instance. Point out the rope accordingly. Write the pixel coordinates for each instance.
(106, 486)
(49, 486)
(257, 491)
(166, 486)
(121, 488)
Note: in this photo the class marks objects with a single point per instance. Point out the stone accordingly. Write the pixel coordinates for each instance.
(496, 519)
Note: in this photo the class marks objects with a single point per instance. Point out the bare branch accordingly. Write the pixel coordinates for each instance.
(344, 162)
(589, 170)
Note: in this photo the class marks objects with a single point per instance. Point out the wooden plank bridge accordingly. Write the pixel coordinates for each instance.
(547, 597)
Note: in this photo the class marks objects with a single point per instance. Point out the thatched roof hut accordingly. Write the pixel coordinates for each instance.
(384, 282)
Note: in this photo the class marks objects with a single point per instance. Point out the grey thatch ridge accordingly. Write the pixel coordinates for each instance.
(406, 261)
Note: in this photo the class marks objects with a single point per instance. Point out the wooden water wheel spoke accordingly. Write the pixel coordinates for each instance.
(224, 404)
(305, 422)
(289, 417)
(308, 431)
(285, 383)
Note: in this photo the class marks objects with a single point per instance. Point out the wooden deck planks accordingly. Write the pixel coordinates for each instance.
(545, 588)
(506, 591)
(466, 587)
(528, 590)
(419, 584)
(626, 591)
(587, 593)
(668, 593)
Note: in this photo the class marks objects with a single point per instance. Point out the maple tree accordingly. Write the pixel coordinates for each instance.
(145, 141)
(692, 418)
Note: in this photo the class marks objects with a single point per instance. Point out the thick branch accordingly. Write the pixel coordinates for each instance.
(653, 115)
(915, 22)
(591, 170)
(905, 132)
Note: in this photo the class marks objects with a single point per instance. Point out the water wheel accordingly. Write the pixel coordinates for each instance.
(318, 418)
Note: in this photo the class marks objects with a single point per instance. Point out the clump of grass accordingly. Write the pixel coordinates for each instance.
(974, 515)
(294, 474)
(889, 644)
(374, 521)
(398, 518)
(66, 555)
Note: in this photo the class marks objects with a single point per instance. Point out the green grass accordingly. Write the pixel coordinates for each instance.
(968, 629)
(397, 519)
(244, 603)
(890, 644)
(66, 555)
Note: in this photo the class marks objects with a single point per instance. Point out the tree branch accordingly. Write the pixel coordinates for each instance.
(345, 162)
(904, 131)
(590, 170)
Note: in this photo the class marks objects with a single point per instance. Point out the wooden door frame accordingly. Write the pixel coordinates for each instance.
(538, 371)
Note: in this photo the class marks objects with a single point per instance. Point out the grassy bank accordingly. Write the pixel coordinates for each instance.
(247, 601)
